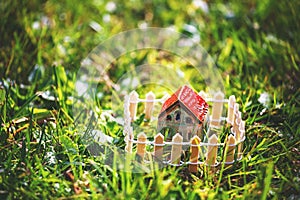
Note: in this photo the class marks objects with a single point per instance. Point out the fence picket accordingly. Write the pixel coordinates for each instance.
(237, 126)
(217, 109)
(236, 110)
(212, 151)
(158, 149)
(229, 149)
(128, 147)
(149, 105)
(240, 146)
(230, 113)
(193, 167)
(176, 148)
(141, 147)
(133, 97)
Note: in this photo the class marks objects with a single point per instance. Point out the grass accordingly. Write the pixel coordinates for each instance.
(255, 45)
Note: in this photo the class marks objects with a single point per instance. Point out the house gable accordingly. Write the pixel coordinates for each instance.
(189, 100)
(178, 106)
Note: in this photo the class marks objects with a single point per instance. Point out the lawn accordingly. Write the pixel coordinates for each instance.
(44, 147)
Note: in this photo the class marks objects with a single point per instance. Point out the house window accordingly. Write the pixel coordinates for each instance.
(169, 118)
(177, 115)
(188, 120)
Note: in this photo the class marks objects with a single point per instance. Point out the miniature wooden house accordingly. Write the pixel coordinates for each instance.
(184, 112)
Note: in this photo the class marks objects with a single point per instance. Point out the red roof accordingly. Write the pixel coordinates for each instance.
(190, 99)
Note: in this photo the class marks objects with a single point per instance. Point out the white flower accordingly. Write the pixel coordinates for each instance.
(106, 18)
(36, 25)
(264, 99)
(110, 6)
(202, 5)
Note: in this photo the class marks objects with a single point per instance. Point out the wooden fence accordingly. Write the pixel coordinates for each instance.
(228, 151)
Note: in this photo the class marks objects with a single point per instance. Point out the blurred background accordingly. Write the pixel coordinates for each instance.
(255, 46)
(258, 39)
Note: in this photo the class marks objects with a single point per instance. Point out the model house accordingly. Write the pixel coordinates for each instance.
(184, 112)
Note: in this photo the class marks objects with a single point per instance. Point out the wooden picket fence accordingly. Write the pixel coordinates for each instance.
(231, 148)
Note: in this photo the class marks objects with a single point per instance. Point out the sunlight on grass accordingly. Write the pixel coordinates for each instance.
(44, 150)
